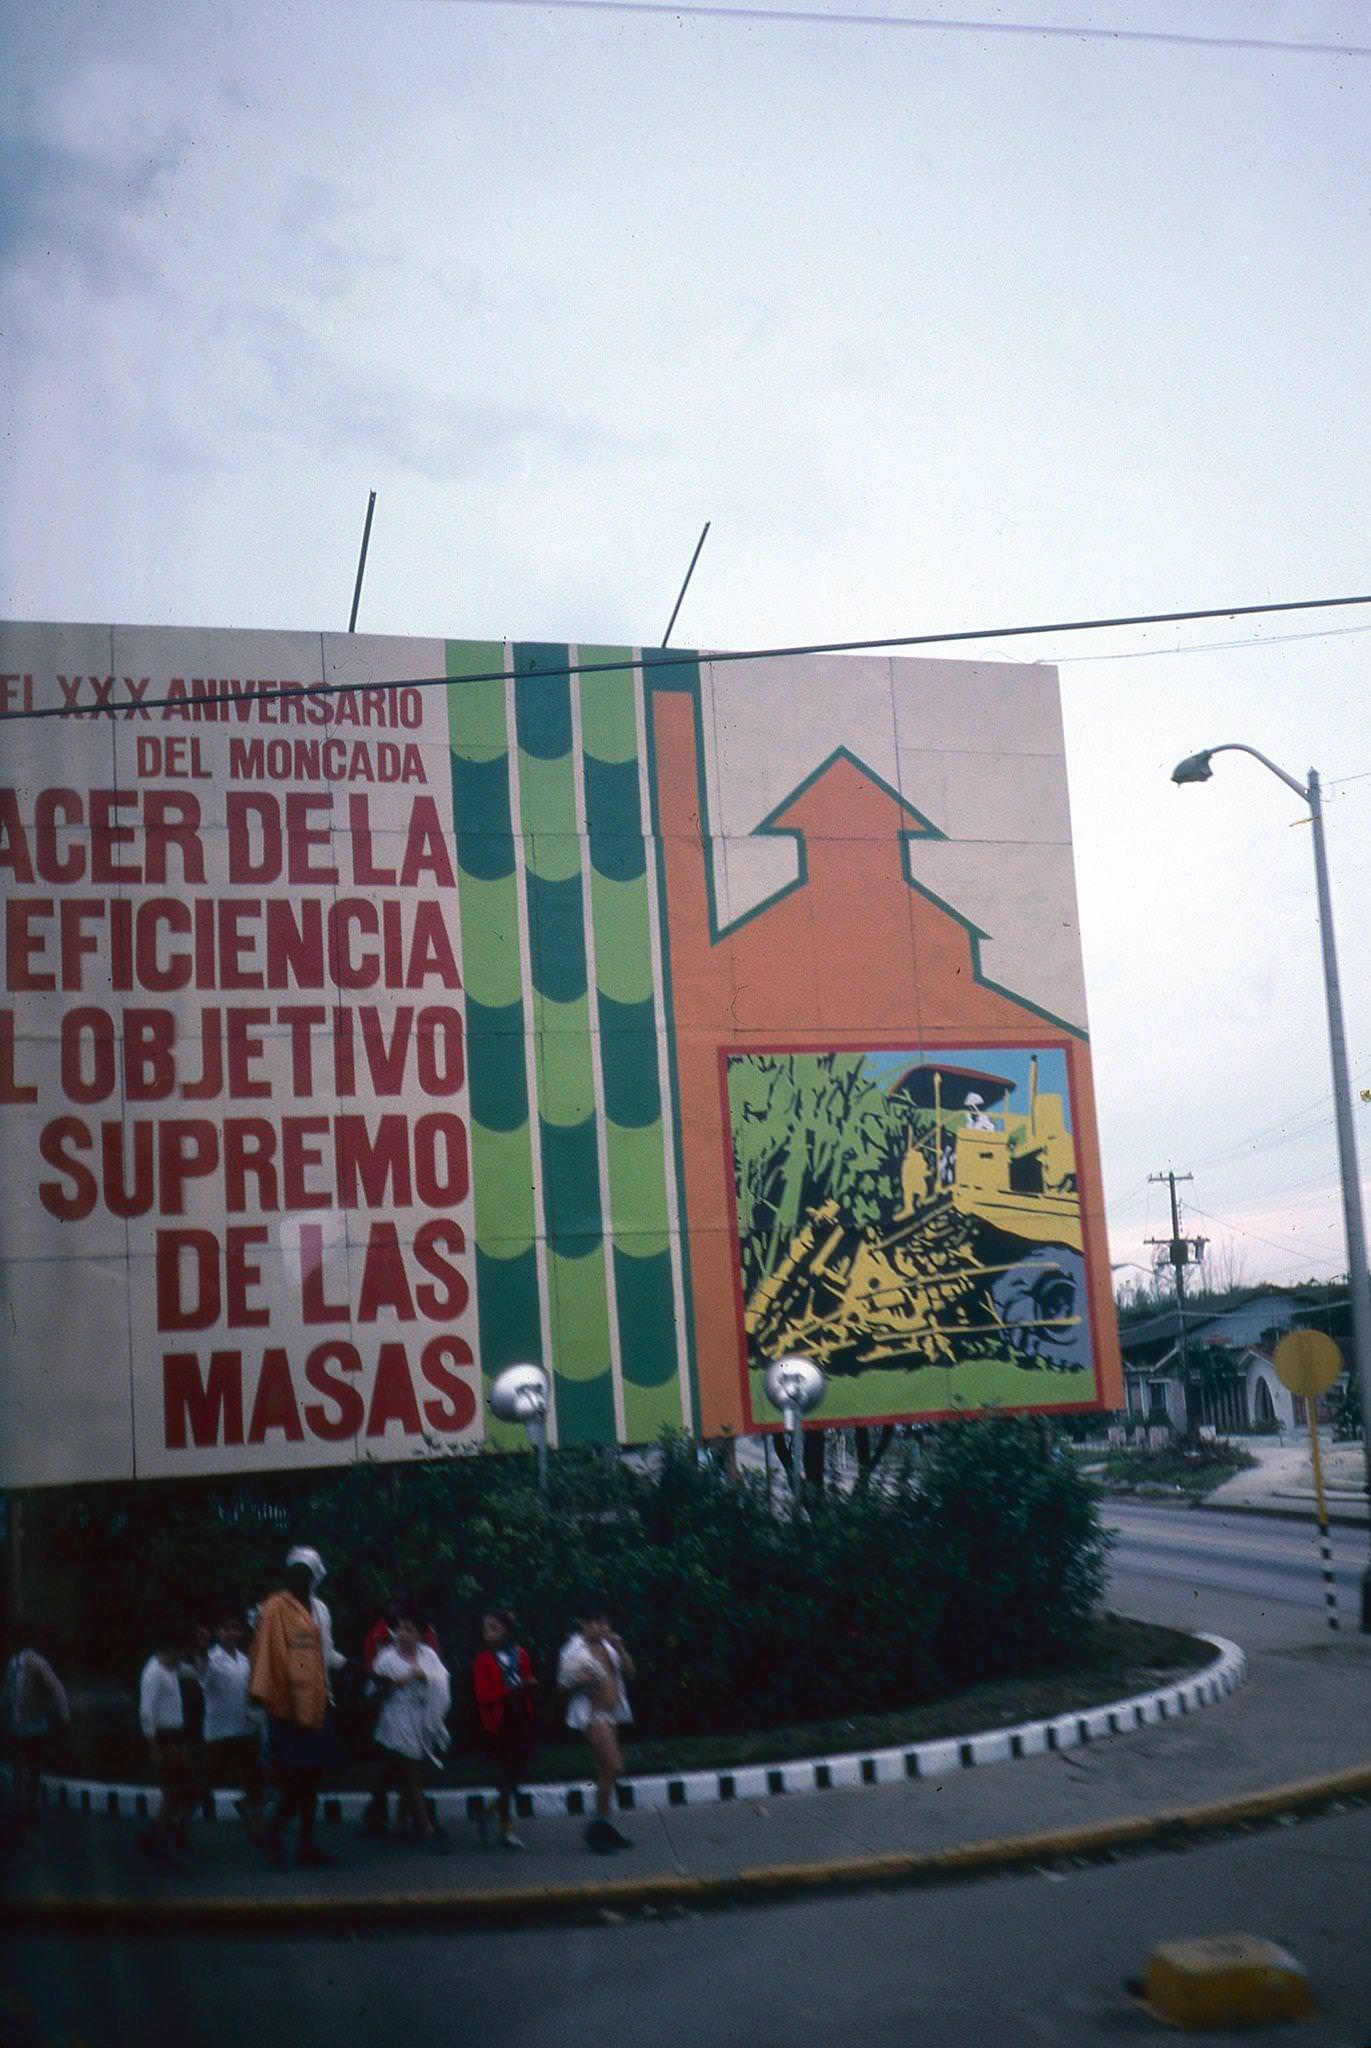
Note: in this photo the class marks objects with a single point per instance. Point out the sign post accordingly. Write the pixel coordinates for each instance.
(1308, 1363)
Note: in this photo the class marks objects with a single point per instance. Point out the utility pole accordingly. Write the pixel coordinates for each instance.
(1180, 1251)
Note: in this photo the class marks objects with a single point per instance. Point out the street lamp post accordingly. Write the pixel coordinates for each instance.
(1196, 768)
(795, 1385)
(520, 1394)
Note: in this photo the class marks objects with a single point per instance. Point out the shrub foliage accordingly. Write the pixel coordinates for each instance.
(981, 1555)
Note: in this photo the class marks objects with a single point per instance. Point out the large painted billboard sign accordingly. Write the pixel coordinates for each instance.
(645, 1015)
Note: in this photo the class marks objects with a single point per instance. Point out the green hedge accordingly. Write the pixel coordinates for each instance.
(982, 1557)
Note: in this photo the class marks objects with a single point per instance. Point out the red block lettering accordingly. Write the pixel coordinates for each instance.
(187, 1299)
(392, 1396)
(274, 1406)
(213, 1407)
(344, 1418)
(442, 1357)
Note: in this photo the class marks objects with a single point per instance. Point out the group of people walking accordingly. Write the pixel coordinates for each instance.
(269, 1716)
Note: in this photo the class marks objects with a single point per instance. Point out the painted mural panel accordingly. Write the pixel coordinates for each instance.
(378, 1012)
(912, 1223)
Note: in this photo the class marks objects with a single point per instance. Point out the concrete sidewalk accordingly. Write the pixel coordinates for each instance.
(1282, 1481)
(1302, 1712)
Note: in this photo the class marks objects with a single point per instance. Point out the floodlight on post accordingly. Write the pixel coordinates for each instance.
(1195, 768)
(520, 1394)
(795, 1386)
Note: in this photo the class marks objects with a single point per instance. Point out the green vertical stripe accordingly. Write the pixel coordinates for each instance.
(492, 964)
(646, 1295)
(571, 1182)
(609, 706)
(507, 1304)
(580, 1341)
(634, 1139)
(566, 880)
(682, 674)
(542, 703)
(637, 1186)
(510, 1327)
(628, 1059)
(585, 1410)
(557, 936)
(554, 889)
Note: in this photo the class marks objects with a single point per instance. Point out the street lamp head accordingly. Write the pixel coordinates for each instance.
(519, 1393)
(1194, 768)
(795, 1383)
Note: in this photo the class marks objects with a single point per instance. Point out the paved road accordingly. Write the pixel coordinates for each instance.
(1249, 1576)
(1006, 1964)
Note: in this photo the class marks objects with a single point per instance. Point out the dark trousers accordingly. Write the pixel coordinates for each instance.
(298, 1797)
(510, 1748)
(236, 1760)
(390, 1778)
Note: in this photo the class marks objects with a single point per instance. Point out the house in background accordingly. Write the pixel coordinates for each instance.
(1249, 1327)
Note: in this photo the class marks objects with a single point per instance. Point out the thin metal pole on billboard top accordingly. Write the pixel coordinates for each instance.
(686, 585)
(362, 563)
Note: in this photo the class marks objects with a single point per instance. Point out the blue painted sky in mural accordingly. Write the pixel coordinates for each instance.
(1009, 1063)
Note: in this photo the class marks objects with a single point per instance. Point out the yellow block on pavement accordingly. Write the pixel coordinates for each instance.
(1225, 1980)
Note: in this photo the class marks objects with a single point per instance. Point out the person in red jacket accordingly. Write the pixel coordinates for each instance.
(503, 1682)
(382, 1630)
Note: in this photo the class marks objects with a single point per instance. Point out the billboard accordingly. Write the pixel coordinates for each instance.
(378, 1012)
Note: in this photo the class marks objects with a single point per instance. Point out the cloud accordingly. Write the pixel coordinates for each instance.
(291, 382)
(66, 207)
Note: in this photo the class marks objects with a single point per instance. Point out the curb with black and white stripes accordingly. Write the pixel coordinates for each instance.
(766, 1781)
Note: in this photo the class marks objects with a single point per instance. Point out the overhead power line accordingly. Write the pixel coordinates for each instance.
(837, 18)
(1291, 1243)
(1221, 647)
(661, 658)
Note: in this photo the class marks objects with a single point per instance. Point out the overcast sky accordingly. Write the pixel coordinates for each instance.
(940, 329)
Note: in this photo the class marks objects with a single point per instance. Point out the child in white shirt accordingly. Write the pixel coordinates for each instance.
(233, 1745)
(592, 1670)
(162, 1718)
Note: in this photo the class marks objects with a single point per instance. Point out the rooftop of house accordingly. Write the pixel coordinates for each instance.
(1241, 1320)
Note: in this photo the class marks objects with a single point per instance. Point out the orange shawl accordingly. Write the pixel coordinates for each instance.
(288, 1663)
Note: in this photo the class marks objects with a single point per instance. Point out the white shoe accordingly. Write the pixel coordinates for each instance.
(509, 1840)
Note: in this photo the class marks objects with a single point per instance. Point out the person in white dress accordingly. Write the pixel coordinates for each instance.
(412, 1723)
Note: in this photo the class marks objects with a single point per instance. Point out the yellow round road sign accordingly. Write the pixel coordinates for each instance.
(1307, 1362)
